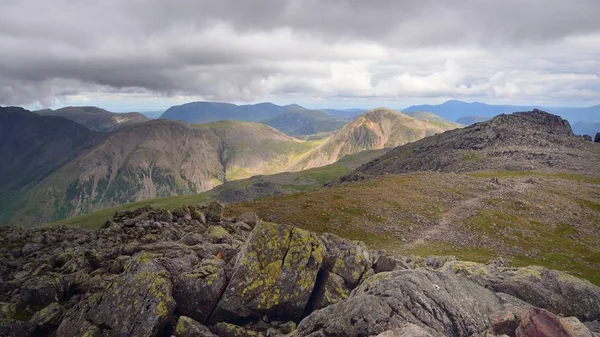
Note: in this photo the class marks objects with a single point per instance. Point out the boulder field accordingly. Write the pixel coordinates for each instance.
(191, 272)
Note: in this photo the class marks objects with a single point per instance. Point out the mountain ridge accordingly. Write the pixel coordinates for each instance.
(95, 118)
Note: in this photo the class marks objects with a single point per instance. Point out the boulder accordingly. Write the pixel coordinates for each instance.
(214, 212)
(249, 218)
(434, 300)
(274, 275)
(553, 290)
(348, 259)
(14, 328)
(597, 138)
(232, 330)
(407, 330)
(217, 234)
(41, 291)
(48, 318)
(330, 288)
(197, 292)
(542, 323)
(187, 327)
(145, 289)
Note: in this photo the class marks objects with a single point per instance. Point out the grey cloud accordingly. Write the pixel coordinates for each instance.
(244, 50)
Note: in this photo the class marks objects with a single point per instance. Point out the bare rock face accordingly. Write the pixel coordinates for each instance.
(274, 275)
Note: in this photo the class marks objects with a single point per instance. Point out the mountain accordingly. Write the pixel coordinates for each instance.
(152, 159)
(95, 118)
(468, 120)
(430, 117)
(377, 129)
(345, 113)
(304, 122)
(586, 128)
(33, 147)
(453, 110)
(202, 112)
(520, 141)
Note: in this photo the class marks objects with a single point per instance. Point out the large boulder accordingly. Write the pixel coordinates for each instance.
(553, 290)
(435, 300)
(597, 138)
(274, 275)
(144, 289)
(198, 291)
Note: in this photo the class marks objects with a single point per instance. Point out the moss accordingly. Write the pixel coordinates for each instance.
(468, 269)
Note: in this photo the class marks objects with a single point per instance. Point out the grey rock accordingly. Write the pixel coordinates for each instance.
(187, 327)
(48, 318)
(41, 291)
(348, 259)
(431, 299)
(249, 218)
(14, 328)
(198, 291)
(274, 275)
(597, 138)
(407, 330)
(214, 212)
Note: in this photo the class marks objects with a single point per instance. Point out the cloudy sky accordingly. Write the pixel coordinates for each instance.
(146, 54)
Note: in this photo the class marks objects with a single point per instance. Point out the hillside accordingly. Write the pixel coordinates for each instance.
(158, 158)
(33, 147)
(376, 129)
(95, 118)
(520, 141)
(305, 122)
(429, 116)
(468, 120)
(202, 112)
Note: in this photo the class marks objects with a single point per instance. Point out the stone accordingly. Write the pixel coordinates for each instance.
(597, 138)
(274, 275)
(407, 330)
(249, 218)
(231, 330)
(432, 299)
(41, 291)
(198, 291)
(542, 323)
(187, 327)
(14, 328)
(505, 322)
(214, 212)
(346, 258)
(330, 288)
(48, 318)
(544, 288)
(574, 327)
(217, 234)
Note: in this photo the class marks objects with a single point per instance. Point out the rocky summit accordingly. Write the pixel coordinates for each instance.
(191, 272)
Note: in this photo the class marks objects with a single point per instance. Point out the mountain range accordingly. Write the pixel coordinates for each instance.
(95, 118)
(160, 158)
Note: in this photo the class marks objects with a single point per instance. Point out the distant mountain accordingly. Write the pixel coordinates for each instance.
(377, 129)
(429, 116)
(202, 112)
(345, 113)
(95, 118)
(154, 159)
(520, 141)
(453, 110)
(468, 120)
(305, 122)
(586, 128)
(33, 147)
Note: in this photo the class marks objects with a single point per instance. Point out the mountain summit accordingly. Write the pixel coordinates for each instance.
(519, 141)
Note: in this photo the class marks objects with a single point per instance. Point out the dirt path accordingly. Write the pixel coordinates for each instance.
(446, 228)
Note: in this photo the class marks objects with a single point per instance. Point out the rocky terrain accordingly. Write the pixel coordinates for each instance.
(520, 141)
(95, 118)
(191, 272)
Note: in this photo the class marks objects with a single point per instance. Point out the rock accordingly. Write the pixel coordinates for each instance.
(587, 138)
(407, 330)
(232, 330)
(389, 262)
(505, 322)
(214, 212)
(346, 258)
(544, 288)
(249, 218)
(217, 234)
(14, 328)
(48, 318)
(274, 275)
(187, 327)
(542, 323)
(438, 261)
(197, 292)
(41, 291)
(192, 239)
(144, 289)
(434, 300)
(330, 288)
(574, 327)
(597, 138)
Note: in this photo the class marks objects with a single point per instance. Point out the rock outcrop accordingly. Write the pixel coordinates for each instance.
(183, 273)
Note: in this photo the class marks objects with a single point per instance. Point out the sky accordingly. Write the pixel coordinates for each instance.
(126, 55)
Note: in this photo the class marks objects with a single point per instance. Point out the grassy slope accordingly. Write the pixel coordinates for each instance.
(553, 222)
(287, 183)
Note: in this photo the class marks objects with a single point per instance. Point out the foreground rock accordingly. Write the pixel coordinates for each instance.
(185, 273)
